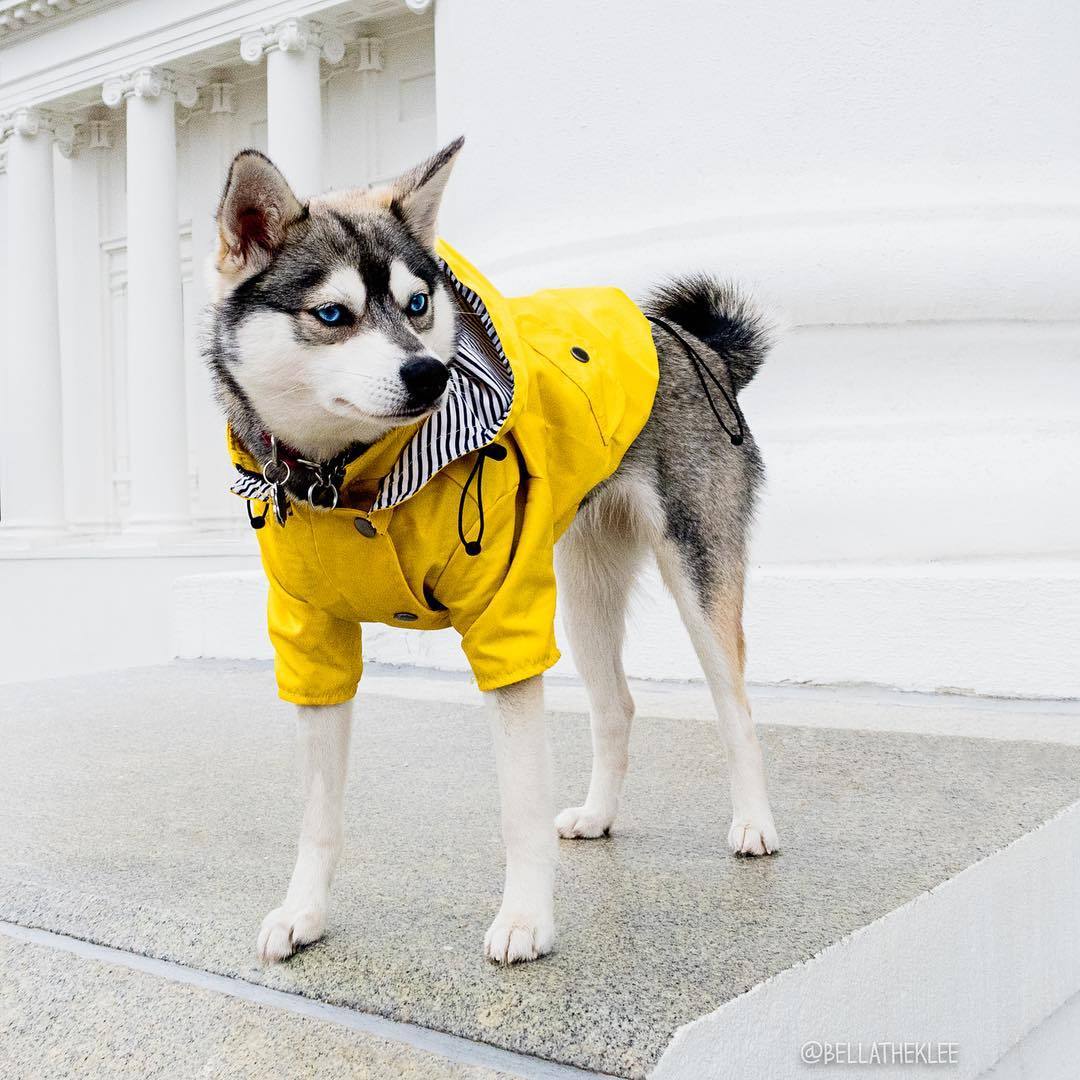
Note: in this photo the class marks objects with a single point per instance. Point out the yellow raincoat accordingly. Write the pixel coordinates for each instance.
(569, 424)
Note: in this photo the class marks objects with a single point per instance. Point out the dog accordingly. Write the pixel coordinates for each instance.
(375, 386)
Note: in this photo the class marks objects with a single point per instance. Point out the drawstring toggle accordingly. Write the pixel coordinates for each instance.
(496, 453)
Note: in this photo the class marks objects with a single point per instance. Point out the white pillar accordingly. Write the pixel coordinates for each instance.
(31, 434)
(214, 136)
(157, 428)
(369, 65)
(294, 95)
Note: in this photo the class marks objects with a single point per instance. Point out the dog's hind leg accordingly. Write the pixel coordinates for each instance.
(711, 608)
(525, 926)
(323, 742)
(597, 561)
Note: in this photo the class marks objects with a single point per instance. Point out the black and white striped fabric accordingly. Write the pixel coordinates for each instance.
(481, 391)
(249, 485)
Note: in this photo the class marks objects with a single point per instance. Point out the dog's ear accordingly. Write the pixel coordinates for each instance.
(257, 207)
(415, 197)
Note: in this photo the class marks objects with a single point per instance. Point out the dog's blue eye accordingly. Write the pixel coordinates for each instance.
(330, 313)
(418, 303)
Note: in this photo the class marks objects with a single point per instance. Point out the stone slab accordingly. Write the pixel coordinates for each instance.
(154, 810)
(62, 1016)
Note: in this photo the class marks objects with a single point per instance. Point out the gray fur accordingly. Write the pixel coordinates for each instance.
(703, 489)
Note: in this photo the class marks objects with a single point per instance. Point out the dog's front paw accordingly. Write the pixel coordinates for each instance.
(583, 823)
(287, 929)
(514, 938)
(753, 834)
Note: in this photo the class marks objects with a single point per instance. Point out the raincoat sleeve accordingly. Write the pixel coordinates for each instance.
(502, 601)
(317, 658)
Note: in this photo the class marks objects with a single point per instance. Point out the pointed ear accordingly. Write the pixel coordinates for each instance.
(415, 197)
(257, 207)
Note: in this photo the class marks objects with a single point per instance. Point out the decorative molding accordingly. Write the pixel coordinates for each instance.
(293, 35)
(22, 15)
(221, 97)
(31, 122)
(99, 135)
(74, 69)
(370, 54)
(150, 82)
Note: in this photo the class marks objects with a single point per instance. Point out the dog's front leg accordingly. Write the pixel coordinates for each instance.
(525, 926)
(323, 745)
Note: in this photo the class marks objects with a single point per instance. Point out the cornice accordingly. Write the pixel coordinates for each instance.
(24, 18)
(293, 35)
(149, 82)
(171, 42)
(30, 123)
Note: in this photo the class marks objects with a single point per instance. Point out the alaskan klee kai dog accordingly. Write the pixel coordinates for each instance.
(368, 373)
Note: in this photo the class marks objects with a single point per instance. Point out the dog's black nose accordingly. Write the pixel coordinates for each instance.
(425, 378)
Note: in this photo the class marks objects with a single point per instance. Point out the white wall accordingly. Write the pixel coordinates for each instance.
(898, 182)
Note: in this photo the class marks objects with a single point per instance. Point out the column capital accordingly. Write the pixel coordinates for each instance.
(99, 135)
(149, 82)
(221, 97)
(293, 35)
(29, 122)
(369, 56)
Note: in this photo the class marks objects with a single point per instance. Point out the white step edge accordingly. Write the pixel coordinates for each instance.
(978, 962)
(1006, 629)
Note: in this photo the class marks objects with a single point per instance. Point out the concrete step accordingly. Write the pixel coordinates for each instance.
(62, 1015)
(926, 890)
(975, 626)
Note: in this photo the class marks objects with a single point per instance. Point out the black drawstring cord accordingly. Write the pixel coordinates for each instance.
(496, 453)
(702, 370)
(257, 521)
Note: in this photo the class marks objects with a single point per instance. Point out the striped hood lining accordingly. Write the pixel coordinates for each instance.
(480, 393)
(479, 396)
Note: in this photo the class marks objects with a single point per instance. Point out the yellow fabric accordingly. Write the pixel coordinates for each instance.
(568, 428)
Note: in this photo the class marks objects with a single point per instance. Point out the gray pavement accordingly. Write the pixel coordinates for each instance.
(64, 1017)
(155, 811)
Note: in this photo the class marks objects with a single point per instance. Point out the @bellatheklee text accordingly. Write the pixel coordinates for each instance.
(883, 1052)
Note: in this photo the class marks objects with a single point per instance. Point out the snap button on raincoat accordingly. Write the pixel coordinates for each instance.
(585, 372)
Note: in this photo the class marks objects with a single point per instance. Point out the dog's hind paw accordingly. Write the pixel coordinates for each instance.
(753, 835)
(285, 930)
(514, 939)
(579, 822)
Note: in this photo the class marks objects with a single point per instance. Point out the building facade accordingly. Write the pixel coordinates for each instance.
(898, 184)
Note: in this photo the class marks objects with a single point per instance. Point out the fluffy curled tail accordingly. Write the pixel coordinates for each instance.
(718, 314)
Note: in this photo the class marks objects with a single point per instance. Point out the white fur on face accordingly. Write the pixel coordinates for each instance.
(344, 286)
(322, 398)
(441, 337)
(296, 388)
(403, 283)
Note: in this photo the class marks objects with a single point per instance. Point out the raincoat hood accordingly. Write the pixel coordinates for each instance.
(453, 522)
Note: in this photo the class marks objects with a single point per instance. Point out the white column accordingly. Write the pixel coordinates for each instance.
(31, 435)
(213, 139)
(294, 95)
(369, 64)
(155, 329)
